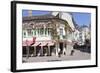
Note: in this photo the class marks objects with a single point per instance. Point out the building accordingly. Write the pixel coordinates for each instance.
(85, 34)
(48, 35)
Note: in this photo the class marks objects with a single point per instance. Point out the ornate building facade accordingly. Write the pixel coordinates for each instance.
(48, 35)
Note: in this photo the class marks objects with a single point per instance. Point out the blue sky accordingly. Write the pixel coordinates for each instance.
(82, 18)
(35, 12)
(79, 18)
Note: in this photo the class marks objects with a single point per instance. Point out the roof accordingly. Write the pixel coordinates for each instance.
(30, 18)
(29, 21)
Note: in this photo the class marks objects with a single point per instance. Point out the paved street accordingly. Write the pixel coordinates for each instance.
(78, 55)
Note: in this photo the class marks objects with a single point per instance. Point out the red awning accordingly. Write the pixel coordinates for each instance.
(50, 44)
(23, 43)
(27, 43)
(43, 44)
(36, 44)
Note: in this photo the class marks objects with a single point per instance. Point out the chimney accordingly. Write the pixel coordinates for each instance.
(30, 13)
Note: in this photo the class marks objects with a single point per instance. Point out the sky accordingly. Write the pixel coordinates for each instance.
(82, 18)
(35, 12)
(79, 18)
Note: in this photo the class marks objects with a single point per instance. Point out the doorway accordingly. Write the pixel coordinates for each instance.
(61, 47)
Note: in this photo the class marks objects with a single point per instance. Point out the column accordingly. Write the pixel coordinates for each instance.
(41, 52)
(34, 50)
(48, 50)
(56, 48)
(63, 49)
(27, 48)
(44, 30)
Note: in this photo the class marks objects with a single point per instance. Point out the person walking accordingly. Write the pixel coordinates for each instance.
(72, 52)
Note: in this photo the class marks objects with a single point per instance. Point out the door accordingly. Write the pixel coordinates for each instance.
(61, 47)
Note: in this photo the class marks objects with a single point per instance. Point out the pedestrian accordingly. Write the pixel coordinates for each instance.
(72, 52)
(59, 54)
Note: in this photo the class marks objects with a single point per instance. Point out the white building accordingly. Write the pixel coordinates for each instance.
(85, 33)
(51, 34)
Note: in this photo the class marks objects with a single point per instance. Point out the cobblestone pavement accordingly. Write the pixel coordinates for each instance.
(78, 55)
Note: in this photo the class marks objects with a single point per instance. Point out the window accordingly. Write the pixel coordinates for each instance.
(41, 31)
(34, 32)
(29, 32)
(38, 31)
(61, 31)
(49, 31)
(24, 34)
(45, 31)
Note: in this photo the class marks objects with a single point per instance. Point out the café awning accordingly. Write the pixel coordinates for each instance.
(36, 44)
(43, 44)
(50, 44)
(27, 43)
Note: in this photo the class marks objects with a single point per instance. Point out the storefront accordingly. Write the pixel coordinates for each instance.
(51, 36)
